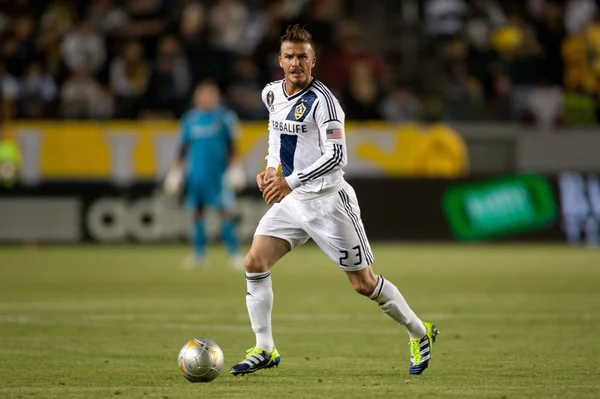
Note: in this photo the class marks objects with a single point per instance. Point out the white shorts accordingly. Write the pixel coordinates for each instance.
(332, 221)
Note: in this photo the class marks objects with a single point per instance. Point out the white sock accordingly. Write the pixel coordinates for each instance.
(392, 302)
(259, 300)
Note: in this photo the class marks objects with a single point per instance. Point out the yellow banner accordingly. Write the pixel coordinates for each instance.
(143, 150)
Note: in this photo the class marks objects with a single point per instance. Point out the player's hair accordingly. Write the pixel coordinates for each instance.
(296, 34)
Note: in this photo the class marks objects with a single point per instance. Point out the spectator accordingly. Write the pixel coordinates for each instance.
(247, 88)
(550, 35)
(579, 75)
(48, 47)
(83, 49)
(267, 52)
(462, 94)
(518, 55)
(445, 17)
(579, 14)
(9, 88)
(148, 22)
(352, 49)
(19, 49)
(257, 24)
(227, 21)
(192, 23)
(61, 13)
(505, 45)
(501, 99)
(400, 105)
(82, 97)
(361, 96)
(109, 18)
(37, 92)
(192, 31)
(129, 77)
(592, 35)
(320, 18)
(170, 81)
(545, 105)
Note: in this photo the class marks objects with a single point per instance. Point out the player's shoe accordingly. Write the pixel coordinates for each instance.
(256, 359)
(420, 350)
(193, 262)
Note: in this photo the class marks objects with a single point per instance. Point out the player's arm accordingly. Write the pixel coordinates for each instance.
(183, 145)
(232, 131)
(173, 182)
(272, 158)
(330, 119)
(235, 175)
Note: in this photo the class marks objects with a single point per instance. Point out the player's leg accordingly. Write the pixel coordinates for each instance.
(276, 235)
(195, 202)
(421, 334)
(264, 253)
(389, 298)
(344, 240)
(229, 236)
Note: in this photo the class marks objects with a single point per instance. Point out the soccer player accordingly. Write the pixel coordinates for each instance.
(208, 133)
(312, 199)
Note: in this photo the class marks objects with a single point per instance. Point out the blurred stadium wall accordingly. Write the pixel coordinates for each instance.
(100, 182)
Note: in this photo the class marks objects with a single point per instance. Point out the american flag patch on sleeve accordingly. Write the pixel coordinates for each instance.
(335, 134)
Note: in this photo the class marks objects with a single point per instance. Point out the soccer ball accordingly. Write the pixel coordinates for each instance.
(200, 360)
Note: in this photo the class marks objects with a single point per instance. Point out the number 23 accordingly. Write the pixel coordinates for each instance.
(357, 255)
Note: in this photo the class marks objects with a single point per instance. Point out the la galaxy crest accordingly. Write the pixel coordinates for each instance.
(300, 110)
(270, 100)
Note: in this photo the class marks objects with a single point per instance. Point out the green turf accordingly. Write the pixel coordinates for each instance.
(87, 322)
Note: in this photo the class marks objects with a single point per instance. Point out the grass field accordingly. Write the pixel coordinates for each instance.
(100, 322)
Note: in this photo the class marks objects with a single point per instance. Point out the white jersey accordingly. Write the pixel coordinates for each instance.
(306, 137)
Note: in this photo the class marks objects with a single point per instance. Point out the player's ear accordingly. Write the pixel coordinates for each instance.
(314, 61)
(279, 58)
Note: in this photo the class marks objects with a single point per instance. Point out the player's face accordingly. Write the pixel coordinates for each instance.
(207, 96)
(297, 61)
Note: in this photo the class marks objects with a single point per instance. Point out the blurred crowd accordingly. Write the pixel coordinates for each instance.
(535, 61)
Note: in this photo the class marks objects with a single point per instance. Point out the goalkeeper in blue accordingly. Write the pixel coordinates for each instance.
(312, 200)
(204, 169)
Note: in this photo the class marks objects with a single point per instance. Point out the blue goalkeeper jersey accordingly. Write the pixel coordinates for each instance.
(208, 136)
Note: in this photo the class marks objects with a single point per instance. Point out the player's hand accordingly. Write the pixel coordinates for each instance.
(173, 183)
(276, 190)
(264, 177)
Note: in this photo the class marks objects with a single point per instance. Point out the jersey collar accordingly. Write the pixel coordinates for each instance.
(289, 98)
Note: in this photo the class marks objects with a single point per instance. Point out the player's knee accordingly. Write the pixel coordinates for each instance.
(254, 263)
(364, 286)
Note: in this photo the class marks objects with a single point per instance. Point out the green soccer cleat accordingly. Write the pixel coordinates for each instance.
(256, 359)
(420, 350)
